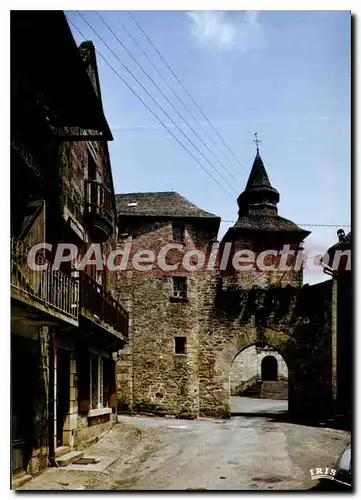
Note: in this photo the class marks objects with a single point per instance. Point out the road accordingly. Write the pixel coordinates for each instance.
(239, 454)
(242, 453)
(255, 405)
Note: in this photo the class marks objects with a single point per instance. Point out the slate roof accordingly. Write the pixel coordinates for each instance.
(264, 222)
(258, 204)
(258, 176)
(159, 204)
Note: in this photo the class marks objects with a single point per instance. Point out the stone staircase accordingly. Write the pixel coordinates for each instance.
(253, 391)
(274, 390)
(267, 390)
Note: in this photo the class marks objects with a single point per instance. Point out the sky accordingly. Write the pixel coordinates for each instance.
(282, 74)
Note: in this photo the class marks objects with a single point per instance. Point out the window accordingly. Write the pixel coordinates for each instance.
(180, 345)
(178, 232)
(96, 381)
(179, 287)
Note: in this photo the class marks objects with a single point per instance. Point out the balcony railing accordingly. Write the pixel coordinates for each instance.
(98, 199)
(47, 287)
(102, 305)
(98, 211)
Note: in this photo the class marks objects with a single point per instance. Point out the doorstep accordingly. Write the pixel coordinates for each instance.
(96, 463)
(61, 450)
(69, 458)
(19, 478)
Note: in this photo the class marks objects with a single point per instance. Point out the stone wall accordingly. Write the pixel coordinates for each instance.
(294, 321)
(75, 159)
(160, 380)
(88, 432)
(265, 271)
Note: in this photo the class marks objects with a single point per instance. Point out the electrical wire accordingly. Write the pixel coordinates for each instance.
(304, 225)
(177, 96)
(185, 90)
(150, 110)
(153, 99)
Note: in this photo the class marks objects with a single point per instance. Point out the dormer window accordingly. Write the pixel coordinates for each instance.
(178, 232)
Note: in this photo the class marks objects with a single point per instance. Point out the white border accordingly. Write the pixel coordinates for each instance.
(4, 198)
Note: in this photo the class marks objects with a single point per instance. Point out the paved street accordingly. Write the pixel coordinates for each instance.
(256, 405)
(243, 453)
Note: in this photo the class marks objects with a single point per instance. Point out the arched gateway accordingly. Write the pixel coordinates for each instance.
(215, 397)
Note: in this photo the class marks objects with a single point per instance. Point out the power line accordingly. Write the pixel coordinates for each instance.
(153, 99)
(325, 225)
(165, 96)
(177, 96)
(186, 91)
(164, 125)
(151, 111)
(304, 225)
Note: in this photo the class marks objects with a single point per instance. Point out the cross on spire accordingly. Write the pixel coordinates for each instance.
(256, 141)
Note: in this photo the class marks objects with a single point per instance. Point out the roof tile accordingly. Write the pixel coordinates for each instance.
(159, 204)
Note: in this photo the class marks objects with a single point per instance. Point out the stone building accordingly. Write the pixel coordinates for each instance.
(65, 323)
(187, 327)
(159, 370)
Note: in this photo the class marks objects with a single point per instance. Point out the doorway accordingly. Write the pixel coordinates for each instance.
(269, 369)
(23, 374)
(62, 392)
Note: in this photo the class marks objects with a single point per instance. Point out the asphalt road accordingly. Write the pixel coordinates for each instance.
(242, 453)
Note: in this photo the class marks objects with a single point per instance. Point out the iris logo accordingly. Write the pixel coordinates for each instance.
(320, 473)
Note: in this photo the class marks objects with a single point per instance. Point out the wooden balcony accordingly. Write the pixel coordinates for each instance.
(49, 294)
(98, 211)
(101, 308)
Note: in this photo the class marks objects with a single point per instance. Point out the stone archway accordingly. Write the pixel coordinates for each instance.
(269, 369)
(215, 391)
(258, 382)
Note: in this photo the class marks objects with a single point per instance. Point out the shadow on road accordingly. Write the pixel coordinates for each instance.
(283, 416)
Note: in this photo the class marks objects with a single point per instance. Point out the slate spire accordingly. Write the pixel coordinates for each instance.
(259, 196)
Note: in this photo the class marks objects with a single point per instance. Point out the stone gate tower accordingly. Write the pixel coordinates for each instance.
(261, 230)
(187, 328)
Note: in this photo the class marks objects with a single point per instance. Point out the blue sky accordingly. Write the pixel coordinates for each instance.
(284, 74)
